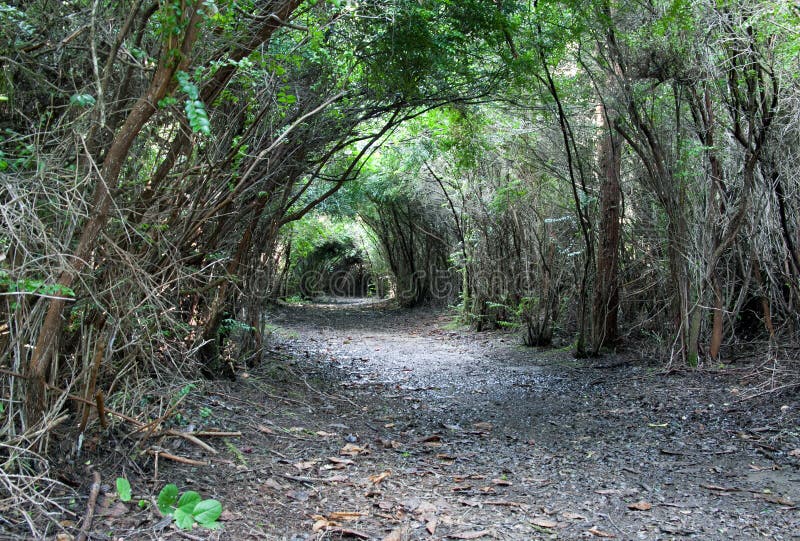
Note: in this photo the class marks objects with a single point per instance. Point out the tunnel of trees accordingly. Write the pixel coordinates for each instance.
(591, 173)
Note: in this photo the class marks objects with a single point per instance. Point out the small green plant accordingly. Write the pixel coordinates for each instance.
(188, 509)
(123, 489)
(205, 412)
(230, 324)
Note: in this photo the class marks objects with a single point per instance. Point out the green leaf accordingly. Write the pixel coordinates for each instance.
(167, 101)
(188, 501)
(288, 99)
(123, 489)
(184, 520)
(207, 512)
(167, 499)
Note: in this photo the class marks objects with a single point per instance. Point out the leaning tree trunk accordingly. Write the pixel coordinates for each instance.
(160, 86)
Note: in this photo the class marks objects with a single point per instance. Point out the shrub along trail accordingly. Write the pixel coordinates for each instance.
(375, 423)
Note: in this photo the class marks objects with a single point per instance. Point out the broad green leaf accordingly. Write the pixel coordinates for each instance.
(123, 489)
(167, 499)
(188, 501)
(207, 511)
(184, 520)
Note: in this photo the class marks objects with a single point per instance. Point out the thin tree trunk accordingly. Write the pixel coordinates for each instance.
(161, 84)
(606, 292)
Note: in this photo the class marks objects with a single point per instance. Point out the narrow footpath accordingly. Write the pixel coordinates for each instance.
(369, 422)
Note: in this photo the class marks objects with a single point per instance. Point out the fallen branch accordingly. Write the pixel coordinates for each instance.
(90, 506)
(211, 433)
(177, 458)
(189, 436)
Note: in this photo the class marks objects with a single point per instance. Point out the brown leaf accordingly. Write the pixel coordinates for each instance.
(375, 479)
(474, 534)
(339, 463)
(306, 465)
(274, 484)
(431, 524)
(502, 482)
(572, 516)
(640, 506)
(351, 449)
(600, 533)
(320, 524)
(116, 510)
(336, 479)
(345, 515)
(544, 523)
(390, 444)
(430, 439)
(395, 535)
(794, 452)
(424, 508)
(264, 429)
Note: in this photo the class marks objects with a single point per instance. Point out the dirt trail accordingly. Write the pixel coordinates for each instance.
(422, 431)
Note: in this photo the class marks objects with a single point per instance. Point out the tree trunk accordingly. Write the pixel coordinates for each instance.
(606, 293)
(161, 84)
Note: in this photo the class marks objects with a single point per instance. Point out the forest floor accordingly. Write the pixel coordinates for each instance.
(369, 422)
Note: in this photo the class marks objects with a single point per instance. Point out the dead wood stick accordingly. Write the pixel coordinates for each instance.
(189, 436)
(188, 535)
(177, 458)
(101, 409)
(90, 506)
(211, 433)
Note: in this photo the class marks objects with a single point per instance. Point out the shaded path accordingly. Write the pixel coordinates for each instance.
(577, 444)
(373, 423)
